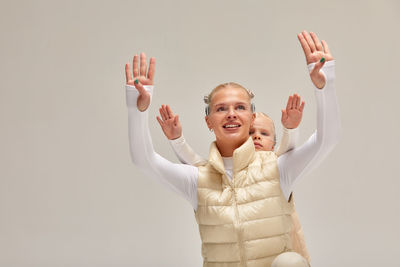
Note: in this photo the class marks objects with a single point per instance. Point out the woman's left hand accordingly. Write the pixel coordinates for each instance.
(317, 52)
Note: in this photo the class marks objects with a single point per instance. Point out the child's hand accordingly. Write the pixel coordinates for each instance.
(169, 123)
(291, 116)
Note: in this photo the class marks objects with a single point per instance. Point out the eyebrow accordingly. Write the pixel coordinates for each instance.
(237, 103)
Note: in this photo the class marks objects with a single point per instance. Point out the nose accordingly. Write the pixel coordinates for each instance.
(232, 113)
(256, 137)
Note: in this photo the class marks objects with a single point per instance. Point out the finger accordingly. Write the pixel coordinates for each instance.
(135, 66)
(289, 103)
(176, 120)
(143, 65)
(169, 112)
(295, 101)
(302, 106)
(298, 101)
(163, 113)
(160, 121)
(292, 103)
(160, 111)
(152, 69)
(304, 45)
(309, 40)
(317, 42)
(128, 73)
(326, 47)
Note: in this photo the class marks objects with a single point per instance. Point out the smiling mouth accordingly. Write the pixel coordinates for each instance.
(231, 126)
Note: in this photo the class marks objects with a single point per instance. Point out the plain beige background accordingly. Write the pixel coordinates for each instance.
(69, 194)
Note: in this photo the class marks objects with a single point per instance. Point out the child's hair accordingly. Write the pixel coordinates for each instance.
(258, 114)
(207, 98)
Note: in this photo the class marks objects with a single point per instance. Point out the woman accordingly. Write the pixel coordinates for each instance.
(243, 212)
(263, 134)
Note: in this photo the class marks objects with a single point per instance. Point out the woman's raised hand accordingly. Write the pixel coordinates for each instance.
(169, 123)
(316, 51)
(141, 76)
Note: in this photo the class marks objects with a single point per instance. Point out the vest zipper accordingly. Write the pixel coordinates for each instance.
(239, 230)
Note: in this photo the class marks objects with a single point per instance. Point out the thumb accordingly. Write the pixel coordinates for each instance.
(140, 87)
(318, 66)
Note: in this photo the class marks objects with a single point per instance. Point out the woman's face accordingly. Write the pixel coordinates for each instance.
(230, 115)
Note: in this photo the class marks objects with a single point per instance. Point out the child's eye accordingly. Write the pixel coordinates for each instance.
(251, 132)
(265, 133)
(241, 107)
(220, 109)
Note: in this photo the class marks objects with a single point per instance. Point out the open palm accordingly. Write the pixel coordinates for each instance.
(141, 77)
(314, 51)
(169, 123)
(291, 116)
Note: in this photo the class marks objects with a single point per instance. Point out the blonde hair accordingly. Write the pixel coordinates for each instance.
(208, 98)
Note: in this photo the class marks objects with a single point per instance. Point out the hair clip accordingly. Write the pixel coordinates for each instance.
(206, 99)
(250, 94)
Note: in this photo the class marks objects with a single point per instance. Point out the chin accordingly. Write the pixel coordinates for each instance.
(238, 138)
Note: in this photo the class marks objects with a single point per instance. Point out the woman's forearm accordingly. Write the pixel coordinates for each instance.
(180, 178)
(296, 163)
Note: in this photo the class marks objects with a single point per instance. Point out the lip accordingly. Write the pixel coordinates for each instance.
(257, 145)
(231, 129)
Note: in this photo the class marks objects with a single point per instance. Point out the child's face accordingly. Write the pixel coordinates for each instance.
(262, 132)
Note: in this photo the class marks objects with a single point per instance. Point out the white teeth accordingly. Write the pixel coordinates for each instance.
(231, 126)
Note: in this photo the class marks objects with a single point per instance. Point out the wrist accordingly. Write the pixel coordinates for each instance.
(177, 140)
(174, 137)
(290, 129)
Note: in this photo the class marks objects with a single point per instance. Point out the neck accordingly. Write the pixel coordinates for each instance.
(227, 147)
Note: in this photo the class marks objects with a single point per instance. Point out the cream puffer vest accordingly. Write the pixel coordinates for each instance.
(246, 221)
(298, 241)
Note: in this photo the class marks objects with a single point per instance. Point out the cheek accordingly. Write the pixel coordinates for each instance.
(247, 120)
(214, 120)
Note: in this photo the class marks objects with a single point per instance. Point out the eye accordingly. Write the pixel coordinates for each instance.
(241, 107)
(265, 133)
(220, 109)
(251, 132)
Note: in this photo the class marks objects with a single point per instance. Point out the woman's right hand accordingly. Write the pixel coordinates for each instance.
(141, 77)
(317, 52)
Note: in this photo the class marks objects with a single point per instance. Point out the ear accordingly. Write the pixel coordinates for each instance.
(207, 119)
(253, 117)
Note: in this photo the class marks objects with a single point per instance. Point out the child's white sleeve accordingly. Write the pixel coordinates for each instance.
(185, 153)
(290, 139)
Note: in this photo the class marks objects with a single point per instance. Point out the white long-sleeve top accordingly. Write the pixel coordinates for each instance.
(186, 154)
(293, 165)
